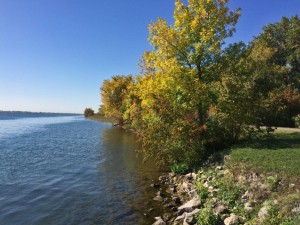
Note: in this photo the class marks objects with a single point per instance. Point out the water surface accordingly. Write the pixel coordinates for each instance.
(63, 169)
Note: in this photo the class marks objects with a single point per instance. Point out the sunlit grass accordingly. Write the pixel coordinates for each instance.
(277, 154)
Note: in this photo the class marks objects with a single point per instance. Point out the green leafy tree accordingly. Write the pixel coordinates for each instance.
(276, 52)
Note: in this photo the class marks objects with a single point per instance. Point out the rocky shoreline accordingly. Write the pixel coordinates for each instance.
(180, 197)
(219, 196)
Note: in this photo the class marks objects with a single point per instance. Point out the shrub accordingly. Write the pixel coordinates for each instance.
(180, 168)
(88, 112)
(207, 217)
(297, 121)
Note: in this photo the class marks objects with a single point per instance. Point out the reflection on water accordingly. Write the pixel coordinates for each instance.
(132, 175)
(73, 172)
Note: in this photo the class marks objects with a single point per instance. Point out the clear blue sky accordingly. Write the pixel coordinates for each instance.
(55, 54)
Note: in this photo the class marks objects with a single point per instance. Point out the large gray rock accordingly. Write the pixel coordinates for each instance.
(189, 206)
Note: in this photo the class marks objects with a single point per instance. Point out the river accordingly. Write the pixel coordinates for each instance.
(64, 169)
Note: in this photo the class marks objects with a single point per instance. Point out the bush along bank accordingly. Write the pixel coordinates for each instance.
(216, 195)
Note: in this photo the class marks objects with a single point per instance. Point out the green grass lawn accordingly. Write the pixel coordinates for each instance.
(277, 154)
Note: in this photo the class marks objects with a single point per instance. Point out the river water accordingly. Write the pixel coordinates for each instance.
(63, 169)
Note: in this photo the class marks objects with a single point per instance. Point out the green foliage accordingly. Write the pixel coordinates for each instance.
(293, 220)
(273, 182)
(206, 216)
(297, 120)
(194, 98)
(228, 192)
(180, 168)
(273, 217)
(88, 112)
(202, 191)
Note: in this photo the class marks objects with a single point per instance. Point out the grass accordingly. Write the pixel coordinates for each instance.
(277, 154)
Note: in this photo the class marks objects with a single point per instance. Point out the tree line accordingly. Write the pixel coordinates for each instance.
(195, 95)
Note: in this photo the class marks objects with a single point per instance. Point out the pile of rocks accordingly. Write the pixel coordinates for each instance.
(180, 197)
(182, 203)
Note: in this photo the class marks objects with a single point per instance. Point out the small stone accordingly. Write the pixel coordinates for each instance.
(173, 189)
(263, 212)
(193, 193)
(248, 207)
(158, 198)
(176, 200)
(159, 222)
(172, 174)
(189, 206)
(194, 175)
(220, 209)
(179, 219)
(166, 216)
(154, 185)
(246, 196)
(219, 167)
(231, 220)
(171, 204)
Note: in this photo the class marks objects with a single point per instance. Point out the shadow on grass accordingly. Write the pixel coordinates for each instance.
(274, 142)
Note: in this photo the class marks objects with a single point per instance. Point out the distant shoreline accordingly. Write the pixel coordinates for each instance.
(29, 112)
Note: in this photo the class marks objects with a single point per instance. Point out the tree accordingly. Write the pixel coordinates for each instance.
(113, 95)
(88, 112)
(172, 99)
(193, 42)
(276, 52)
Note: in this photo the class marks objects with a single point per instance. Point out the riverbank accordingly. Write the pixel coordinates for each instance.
(257, 182)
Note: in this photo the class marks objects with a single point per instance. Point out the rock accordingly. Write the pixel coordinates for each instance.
(150, 210)
(231, 220)
(194, 175)
(172, 175)
(189, 206)
(176, 199)
(220, 209)
(206, 184)
(158, 198)
(263, 212)
(193, 193)
(190, 217)
(166, 216)
(189, 220)
(154, 185)
(171, 204)
(173, 189)
(248, 207)
(219, 167)
(189, 176)
(158, 193)
(159, 222)
(246, 196)
(179, 219)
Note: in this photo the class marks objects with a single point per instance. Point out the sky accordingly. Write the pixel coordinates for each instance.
(55, 54)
